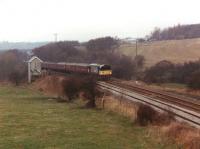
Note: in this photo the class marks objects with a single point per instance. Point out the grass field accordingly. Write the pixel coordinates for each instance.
(30, 120)
(177, 51)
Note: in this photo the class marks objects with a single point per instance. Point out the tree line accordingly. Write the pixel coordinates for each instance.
(176, 32)
(166, 72)
(100, 50)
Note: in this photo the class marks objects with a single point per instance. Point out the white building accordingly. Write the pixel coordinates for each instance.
(34, 67)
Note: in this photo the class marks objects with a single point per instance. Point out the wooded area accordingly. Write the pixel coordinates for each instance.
(176, 32)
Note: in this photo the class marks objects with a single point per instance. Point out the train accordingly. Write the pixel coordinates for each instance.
(102, 71)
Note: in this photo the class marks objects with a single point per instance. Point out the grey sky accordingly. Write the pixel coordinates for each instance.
(37, 20)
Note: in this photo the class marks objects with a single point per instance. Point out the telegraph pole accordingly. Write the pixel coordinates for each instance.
(136, 53)
(136, 47)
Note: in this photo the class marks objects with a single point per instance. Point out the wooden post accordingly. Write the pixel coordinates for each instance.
(29, 72)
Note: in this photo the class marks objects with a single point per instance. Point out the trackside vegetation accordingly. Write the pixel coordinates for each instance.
(29, 119)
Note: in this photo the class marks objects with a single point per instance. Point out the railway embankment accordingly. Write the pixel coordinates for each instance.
(118, 104)
(183, 109)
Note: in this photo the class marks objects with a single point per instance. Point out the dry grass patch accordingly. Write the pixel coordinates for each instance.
(186, 136)
(176, 51)
(51, 85)
(119, 105)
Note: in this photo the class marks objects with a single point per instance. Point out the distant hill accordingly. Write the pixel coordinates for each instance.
(176, 32)
(177, 51)
(21, 45)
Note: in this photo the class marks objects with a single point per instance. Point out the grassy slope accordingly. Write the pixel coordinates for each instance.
(29, 120)
(177, 51)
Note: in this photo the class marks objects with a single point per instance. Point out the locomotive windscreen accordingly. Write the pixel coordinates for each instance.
(105, 67)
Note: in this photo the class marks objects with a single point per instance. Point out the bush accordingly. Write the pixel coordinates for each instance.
(145, 115)
(12, 66)
(90, 91)
(123, 67)
(163, 118)
(87, 85)
(72, 87)
(167, 72)
(105, 44)
(194, 80)
(18, 74)
(160, 73)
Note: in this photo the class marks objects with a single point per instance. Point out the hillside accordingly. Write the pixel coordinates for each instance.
(177, 51)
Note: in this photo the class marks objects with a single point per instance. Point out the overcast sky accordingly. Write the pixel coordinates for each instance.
(38, 20)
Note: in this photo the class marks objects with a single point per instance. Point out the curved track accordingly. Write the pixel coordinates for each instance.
(163, 96)
(182, 109)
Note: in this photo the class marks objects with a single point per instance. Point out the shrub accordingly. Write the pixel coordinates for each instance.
(163, 118)
(165, 72)
(72, 87)
(90, 91)
(87, 85)
(12, 66)
(105, 44)
(194, 80)
(123, 67)
(145, 115)
(159, 73)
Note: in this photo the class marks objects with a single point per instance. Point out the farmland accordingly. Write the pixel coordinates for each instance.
(177, 51)
(29, 119)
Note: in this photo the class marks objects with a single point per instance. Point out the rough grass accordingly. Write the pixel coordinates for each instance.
(173, 85)
(184, 135)
(177, 51)
(28, 119)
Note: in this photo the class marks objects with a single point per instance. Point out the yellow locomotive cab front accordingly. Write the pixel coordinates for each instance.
(105, 72)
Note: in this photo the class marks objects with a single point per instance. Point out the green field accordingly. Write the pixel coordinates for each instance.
(28, 119)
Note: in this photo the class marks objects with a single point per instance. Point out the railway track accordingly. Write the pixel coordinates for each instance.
(163, 96)
(182, 109)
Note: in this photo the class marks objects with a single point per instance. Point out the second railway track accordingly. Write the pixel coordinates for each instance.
(182, 102)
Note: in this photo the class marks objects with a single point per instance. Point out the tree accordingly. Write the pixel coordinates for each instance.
(72, 87)
(194, 80)
(13, 67)
(105, 44)
(123, 67)
(65, 51)
(89, 87)
(159, 73)
(139, 61)
(176, 32)
(155, 35)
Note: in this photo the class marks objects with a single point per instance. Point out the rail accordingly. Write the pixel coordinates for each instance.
(163, 96)
(179, 111)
